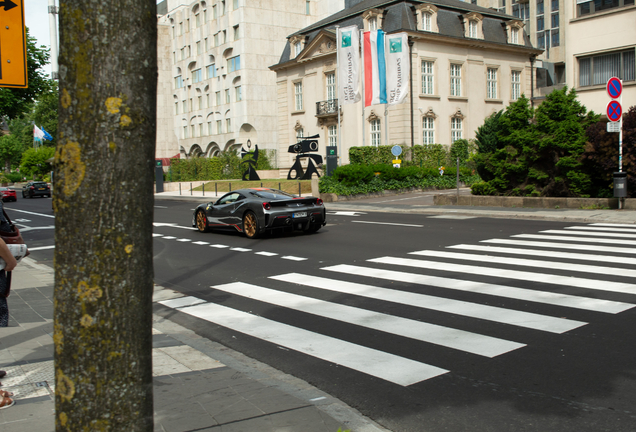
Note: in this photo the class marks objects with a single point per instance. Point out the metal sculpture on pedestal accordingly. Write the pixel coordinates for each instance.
(251, 162)
(302, 150)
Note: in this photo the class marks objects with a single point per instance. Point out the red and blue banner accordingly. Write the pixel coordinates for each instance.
(374, 68)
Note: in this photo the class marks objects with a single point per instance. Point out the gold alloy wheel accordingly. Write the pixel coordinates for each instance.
(249, 224)
(202, 222)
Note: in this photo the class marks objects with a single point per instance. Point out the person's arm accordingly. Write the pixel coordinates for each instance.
(7, 256)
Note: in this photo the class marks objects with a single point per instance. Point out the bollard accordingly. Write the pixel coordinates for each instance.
(190, 188)
(279, 186)
(203, 186)
(179, 188)
(230, 188)
(216, 190)
(457, 181)
(299, 194)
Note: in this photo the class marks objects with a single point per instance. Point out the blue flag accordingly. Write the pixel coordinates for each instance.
(47, 136)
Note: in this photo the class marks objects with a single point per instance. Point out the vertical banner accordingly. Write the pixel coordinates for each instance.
(398, 67)
(374, 68)
(348, 65)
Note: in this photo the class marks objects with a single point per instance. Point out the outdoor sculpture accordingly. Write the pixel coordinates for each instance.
(251, 161)
(302, 150)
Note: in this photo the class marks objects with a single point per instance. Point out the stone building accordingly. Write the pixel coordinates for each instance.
(466, 63)
(215, 90)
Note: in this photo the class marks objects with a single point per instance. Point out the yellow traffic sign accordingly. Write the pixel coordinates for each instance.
(13, 47)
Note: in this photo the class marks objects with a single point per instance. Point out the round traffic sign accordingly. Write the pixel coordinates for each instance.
(614, 87)
(614, 111)
(396, 150)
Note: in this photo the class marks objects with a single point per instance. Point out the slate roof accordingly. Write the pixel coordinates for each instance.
(400, 15)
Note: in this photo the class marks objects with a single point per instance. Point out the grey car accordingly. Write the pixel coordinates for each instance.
(259, 210)
(36, 188)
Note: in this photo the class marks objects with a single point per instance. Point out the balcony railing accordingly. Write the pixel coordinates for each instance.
(327, 108)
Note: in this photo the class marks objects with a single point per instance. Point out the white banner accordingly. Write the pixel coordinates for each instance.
(398, 66)
(348, 39)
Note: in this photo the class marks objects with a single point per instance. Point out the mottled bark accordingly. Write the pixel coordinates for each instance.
(104, 207)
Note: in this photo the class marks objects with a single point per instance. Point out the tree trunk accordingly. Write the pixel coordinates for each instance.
(104, 210)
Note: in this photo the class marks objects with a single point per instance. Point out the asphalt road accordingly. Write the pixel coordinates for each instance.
(531, 337)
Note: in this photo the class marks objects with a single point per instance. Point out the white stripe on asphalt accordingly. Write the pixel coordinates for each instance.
(473, 310)
(577, 239)
(240, 249)
(585, 233)
(183, 240)
(380, 364)
(598, 228)
(555, 265)
(201, 243)
(388, 223)
(584, 247)
(182, 302)
(169, 237)
(266, 253)
(293, 258)
(219, 246)
(9, 209)
(593, 284)
(614, 225)
(431, 333)
(552, 254)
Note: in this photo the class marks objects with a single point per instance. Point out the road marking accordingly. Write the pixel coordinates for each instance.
(201, 243)
(552, 254)
(473, 310)
(266, 253)
(388, 223)
(345, 213)
(545, 297)
(169, 237)
(24, 228)
(448, 337)
(28, 212)
(41, 248)
(184, 240)
(458, 217)
(597, 228)
(157, 235)
(598, 285)
(219, 246)
(293, 258)
(579, 239)
(595, 248)
(585, 233)
(376, 363)
(613, 225)
(172, 225)
(239, 249)
(554, 265)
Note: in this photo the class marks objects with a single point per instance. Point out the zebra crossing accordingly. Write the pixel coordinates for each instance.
(490, 272)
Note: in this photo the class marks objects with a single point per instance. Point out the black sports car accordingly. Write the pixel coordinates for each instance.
(255, 211)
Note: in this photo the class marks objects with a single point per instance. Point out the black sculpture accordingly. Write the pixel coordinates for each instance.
(302, 150)
(251, 162)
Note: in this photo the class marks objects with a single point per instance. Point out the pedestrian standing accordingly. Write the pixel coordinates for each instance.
(11, 262)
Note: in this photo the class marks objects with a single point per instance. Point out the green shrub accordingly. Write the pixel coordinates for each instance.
(350, 175)
(483, 188)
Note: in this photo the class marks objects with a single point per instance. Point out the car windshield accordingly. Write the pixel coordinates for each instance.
(273, 195)
(40, 184)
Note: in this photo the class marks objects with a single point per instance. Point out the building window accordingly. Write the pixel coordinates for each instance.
(541, 40)
(598, 69)
(307, 7)
(185, 131)
(214, 12)
(191, 105)
(456, 80)
(298, 96)
(211, 70)
(236, 32)
(491, 80)
(426, 22)
(184, 104)
(197, 20)
(187, 29)
(183, 54)
(209, 128)
(189, 51)
(331, 86)
(539, 7)
(176, 107)
(555, 5)
(224, 36)
(207, 44)
(373, 23)
(375, 133)
(227, 95)
(205, 16)
(207, 100)
(217, 96)
(514, 36)
(200, 102)
(332, 133)
(540, 24)
(219, 127)
(555, 20)
(591, 7)
(472, 29)
(234, 63)
(198, 47)
(238, 93)
(180, 28)
(222, 7)
(197, 76)
(428, 130)
(200, 129)
(297, 48)
(192, 131)
(515, 91)
(427, 78)
(228, 125)
(300, 134)
(235, 5)
(456, 129)
(178, 82)
(555, 38)
(216, 39)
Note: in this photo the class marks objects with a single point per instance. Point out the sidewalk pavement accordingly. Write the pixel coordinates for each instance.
(199, 385)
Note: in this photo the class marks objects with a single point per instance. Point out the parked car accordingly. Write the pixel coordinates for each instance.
(8, 194)
(259, 210)
(36, 188)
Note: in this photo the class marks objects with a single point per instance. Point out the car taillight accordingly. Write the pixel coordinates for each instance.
(318, 202)
(32, 187)
(267, 206)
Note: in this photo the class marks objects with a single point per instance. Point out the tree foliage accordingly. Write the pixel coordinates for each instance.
(34, 161)
(535, 152)
(16, 101)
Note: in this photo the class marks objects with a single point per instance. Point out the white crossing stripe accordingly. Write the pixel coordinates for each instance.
(219, 246)
(388, 223)
(266, 253)
(373, 362)
(157, 235)
(545, 297)
(613, 225)
(577, 239)
(473, 310)
(452, 338)
(293, 258)
(593, 284)
(169, 237)
(597, 228)
(552, 254)
(585, 233)
(184, 240)
(239, 249)
(579, 247)
(529, 263)
(201, 243)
